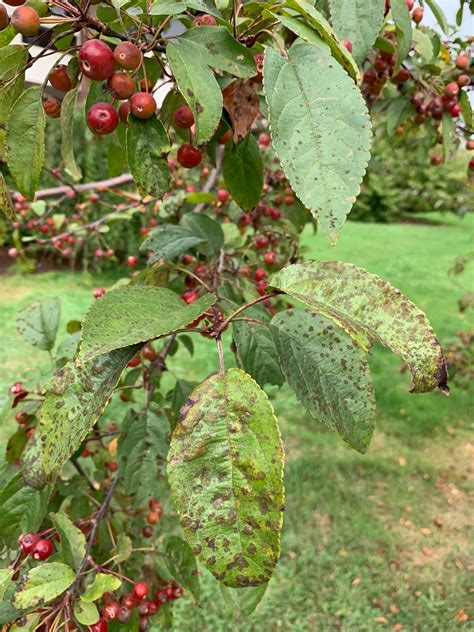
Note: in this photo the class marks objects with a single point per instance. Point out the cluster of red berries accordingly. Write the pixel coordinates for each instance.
(33, 544)
(121, 612)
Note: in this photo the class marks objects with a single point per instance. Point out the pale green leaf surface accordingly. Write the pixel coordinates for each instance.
(42, 584)
(225, 468)
(6, 575)
(133, 314)
(402, 18)
(72, 544)
(68, 107)
(369, 309)
(358, 21)
(86, 613)
(169, 241)
(6, 203)
(12, 60)
(147, 148)
(102, 583)
(329, 373)
(320, 130)
(38, 323)
(25, 141)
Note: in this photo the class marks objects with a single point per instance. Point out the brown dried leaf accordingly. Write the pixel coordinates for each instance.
(242, 104)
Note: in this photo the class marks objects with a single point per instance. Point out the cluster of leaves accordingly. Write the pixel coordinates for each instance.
(221, 265)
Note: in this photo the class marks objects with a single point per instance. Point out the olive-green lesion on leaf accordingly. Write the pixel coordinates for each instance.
(225, 468)
(368, 309)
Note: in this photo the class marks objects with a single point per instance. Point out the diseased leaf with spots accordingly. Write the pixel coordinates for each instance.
(225, 468)
(75, 398)
(23, 509)
(38, 323)
(242, 168)
(256, 350)
(72, 545)
(369, 309)
(142, 449)
(24, 141)
(358, 21)
(42, 584)
(6, 203)
(6, 575)
(329, 373)
(320, 130)
(133, 314)
(243, 105)
(147, 148)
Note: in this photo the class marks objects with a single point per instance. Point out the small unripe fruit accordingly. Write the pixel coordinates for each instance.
(128, 56)
(59, 79)
(96, 60)
(42, 550)
(436, 159)
(452, 89)
(124, 111)
(183, 117)
(140, 590)
(102, 118)
(52, 107)
(463, 81)
(462, 62)
(222, 195)
(132, 261)
(189, 156)
(111, 610)
(142, 105)
(25, 20)
(27, 541)
(121, 86)
(417, 15)
(347, 44)
(205, 20)
(3, 17)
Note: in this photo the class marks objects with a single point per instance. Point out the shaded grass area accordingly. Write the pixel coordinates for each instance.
(369, 542)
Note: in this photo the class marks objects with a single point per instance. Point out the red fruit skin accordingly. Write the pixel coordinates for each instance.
(258, 78)
(189, 156)
(59, 79)
(436, 159)
(111, 610)
(135, 361)
(260, 274)
(470, 145)
(100, 626)
(261, 242)
(183, 117)
(470, 165)
(403, 75)
(275, 214)
(347, 44)
(124, 111)
(96, 60)
(102, 118)
(205, 20)
(261, 286)
(42, 550)
(121, 86)
(149, 353)
(464, 80)
(13, 253)
(222, 140)
(417, 15)
(455, 110)
(25, 20)
(129, 600)
(128, 56)
(14, 3)
(264, 139)
(16, 388)
(142, 105)
(52, 107)
(270, 258)
(132, 261)
(222, 195)
(189, 297)
(27, 541)
(462, 62)
(452, 89)
(3, 17)
(410, 4)
(140, 590)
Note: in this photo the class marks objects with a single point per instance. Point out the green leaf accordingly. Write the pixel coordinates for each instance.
(242, 168)
(123, 550)
(6, 203)
(402, 18)
(73, 542)
(243, 601)
(23, 509)
(198, 85)
(38, 323)
(102, 583)
(8, 613)
(218, 49)
(423, 45)
(359, 21)
(225, 468)
(143, 446)
(170, 241)
(256, 350)
(300, 28)
(324, 29)
(86, 613)
(25, 141)
(133, 314)
(397, 111)
(147, 148)
(439, 15)
(181, 564)
(208, 229)
(449, 135)
(466, 108)
(68, 107)
(12, 59)
(175, 7)
(27, 623)
(75, 399)
(320, 130)
(369, 309)
(328, 372)
(6, 575)
(42, 584)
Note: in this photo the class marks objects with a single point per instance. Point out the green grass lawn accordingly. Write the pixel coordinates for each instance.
(371, 542)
